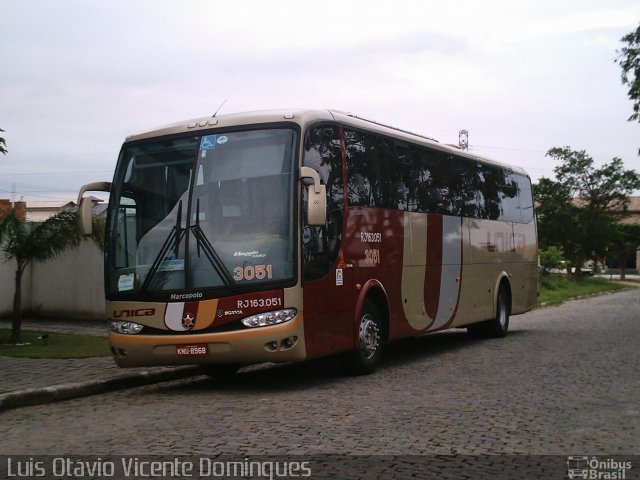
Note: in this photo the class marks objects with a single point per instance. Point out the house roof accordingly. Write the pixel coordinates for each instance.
(50, 204)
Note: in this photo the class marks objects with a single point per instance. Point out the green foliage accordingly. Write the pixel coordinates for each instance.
(98, 233)
(3, 144)
(56, 345)
(552, 257)
(577, 212)
(26, 243)
(558, 288)
(629, 60)
(625, 241)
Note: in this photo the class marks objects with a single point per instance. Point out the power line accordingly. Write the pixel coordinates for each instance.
(39, 195)
(69, 172)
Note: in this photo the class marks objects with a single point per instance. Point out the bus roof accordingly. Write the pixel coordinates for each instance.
(305, 117)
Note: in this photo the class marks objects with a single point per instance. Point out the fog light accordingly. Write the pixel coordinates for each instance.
(290, 342)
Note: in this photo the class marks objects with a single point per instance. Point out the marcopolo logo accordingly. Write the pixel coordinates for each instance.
(186, 296)
(594, 468)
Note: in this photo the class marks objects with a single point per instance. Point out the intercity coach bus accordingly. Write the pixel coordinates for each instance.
(289, 235)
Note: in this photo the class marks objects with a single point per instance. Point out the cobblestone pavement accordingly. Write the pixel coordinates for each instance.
(565, 381)
(30, 373)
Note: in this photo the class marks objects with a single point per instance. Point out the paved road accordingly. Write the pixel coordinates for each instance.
(564, 382)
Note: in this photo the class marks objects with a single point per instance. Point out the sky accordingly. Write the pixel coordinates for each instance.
(77, 77)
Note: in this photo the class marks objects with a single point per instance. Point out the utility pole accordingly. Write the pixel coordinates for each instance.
(463, 139)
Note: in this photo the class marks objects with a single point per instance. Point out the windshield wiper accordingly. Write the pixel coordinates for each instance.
(175, 237)
(209, 251)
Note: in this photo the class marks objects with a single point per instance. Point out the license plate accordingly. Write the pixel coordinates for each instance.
(192, 350)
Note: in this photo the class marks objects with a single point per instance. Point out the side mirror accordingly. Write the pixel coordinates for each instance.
(85, 227)
(317, 195)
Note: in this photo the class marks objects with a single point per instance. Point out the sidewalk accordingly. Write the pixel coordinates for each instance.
(27, 381)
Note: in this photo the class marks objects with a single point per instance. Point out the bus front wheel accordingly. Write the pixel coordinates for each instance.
(366, 357)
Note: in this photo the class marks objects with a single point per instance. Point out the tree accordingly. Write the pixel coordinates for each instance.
(629, 60)
(39, 243)
(3, 144)
(625, 242)
(551, 258)
(578, 210)
(557, 219)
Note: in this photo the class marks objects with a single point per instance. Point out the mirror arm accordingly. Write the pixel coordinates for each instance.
(308, 172)
(317, 205)
(84, 206)
(93, 187)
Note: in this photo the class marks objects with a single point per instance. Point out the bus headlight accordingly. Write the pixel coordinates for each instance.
(270, 318)
(127, 328)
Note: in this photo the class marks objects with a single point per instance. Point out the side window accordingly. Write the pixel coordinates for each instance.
(490, 190)
(509, 199)
(424, 194)
(368, 159)
(320, 245)
(526, 198)
(126, 237)
(399, 167)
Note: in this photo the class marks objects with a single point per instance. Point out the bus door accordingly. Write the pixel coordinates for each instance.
(327, 281)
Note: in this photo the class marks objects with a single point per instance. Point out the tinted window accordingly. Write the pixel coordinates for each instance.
(387, 173)
(526, 198)
(367, 159)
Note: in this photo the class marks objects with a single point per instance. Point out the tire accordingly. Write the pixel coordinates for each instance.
(366, 357)
(498, 326)
(221, 371)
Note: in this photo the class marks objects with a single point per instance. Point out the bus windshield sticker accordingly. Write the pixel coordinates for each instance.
(208, 142)
(223, 139)
(172, 265)
(126, 282)
(339, 277)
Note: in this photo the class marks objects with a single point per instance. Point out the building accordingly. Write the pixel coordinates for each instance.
(633, 217)
(633, 212)
(39, 211)
(6, 206)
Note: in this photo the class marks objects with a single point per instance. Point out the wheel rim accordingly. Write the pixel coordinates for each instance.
(369, 337)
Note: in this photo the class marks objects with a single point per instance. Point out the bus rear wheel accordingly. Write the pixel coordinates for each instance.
(498, 326)
(366, 357)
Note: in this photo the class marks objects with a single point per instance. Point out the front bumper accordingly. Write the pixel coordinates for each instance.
(277, 343)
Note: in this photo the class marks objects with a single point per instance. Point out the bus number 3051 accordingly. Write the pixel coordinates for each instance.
(253, 272)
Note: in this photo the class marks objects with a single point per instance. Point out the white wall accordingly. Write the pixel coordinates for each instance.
(71, 286)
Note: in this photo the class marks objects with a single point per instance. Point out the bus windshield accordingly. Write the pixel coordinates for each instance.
(210, 211)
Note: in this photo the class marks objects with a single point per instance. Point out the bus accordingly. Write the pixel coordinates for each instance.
(283, 236)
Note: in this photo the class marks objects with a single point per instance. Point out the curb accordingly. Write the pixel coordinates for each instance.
(67, 391)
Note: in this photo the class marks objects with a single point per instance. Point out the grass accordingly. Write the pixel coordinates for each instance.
(58, 345)
(558, 288)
